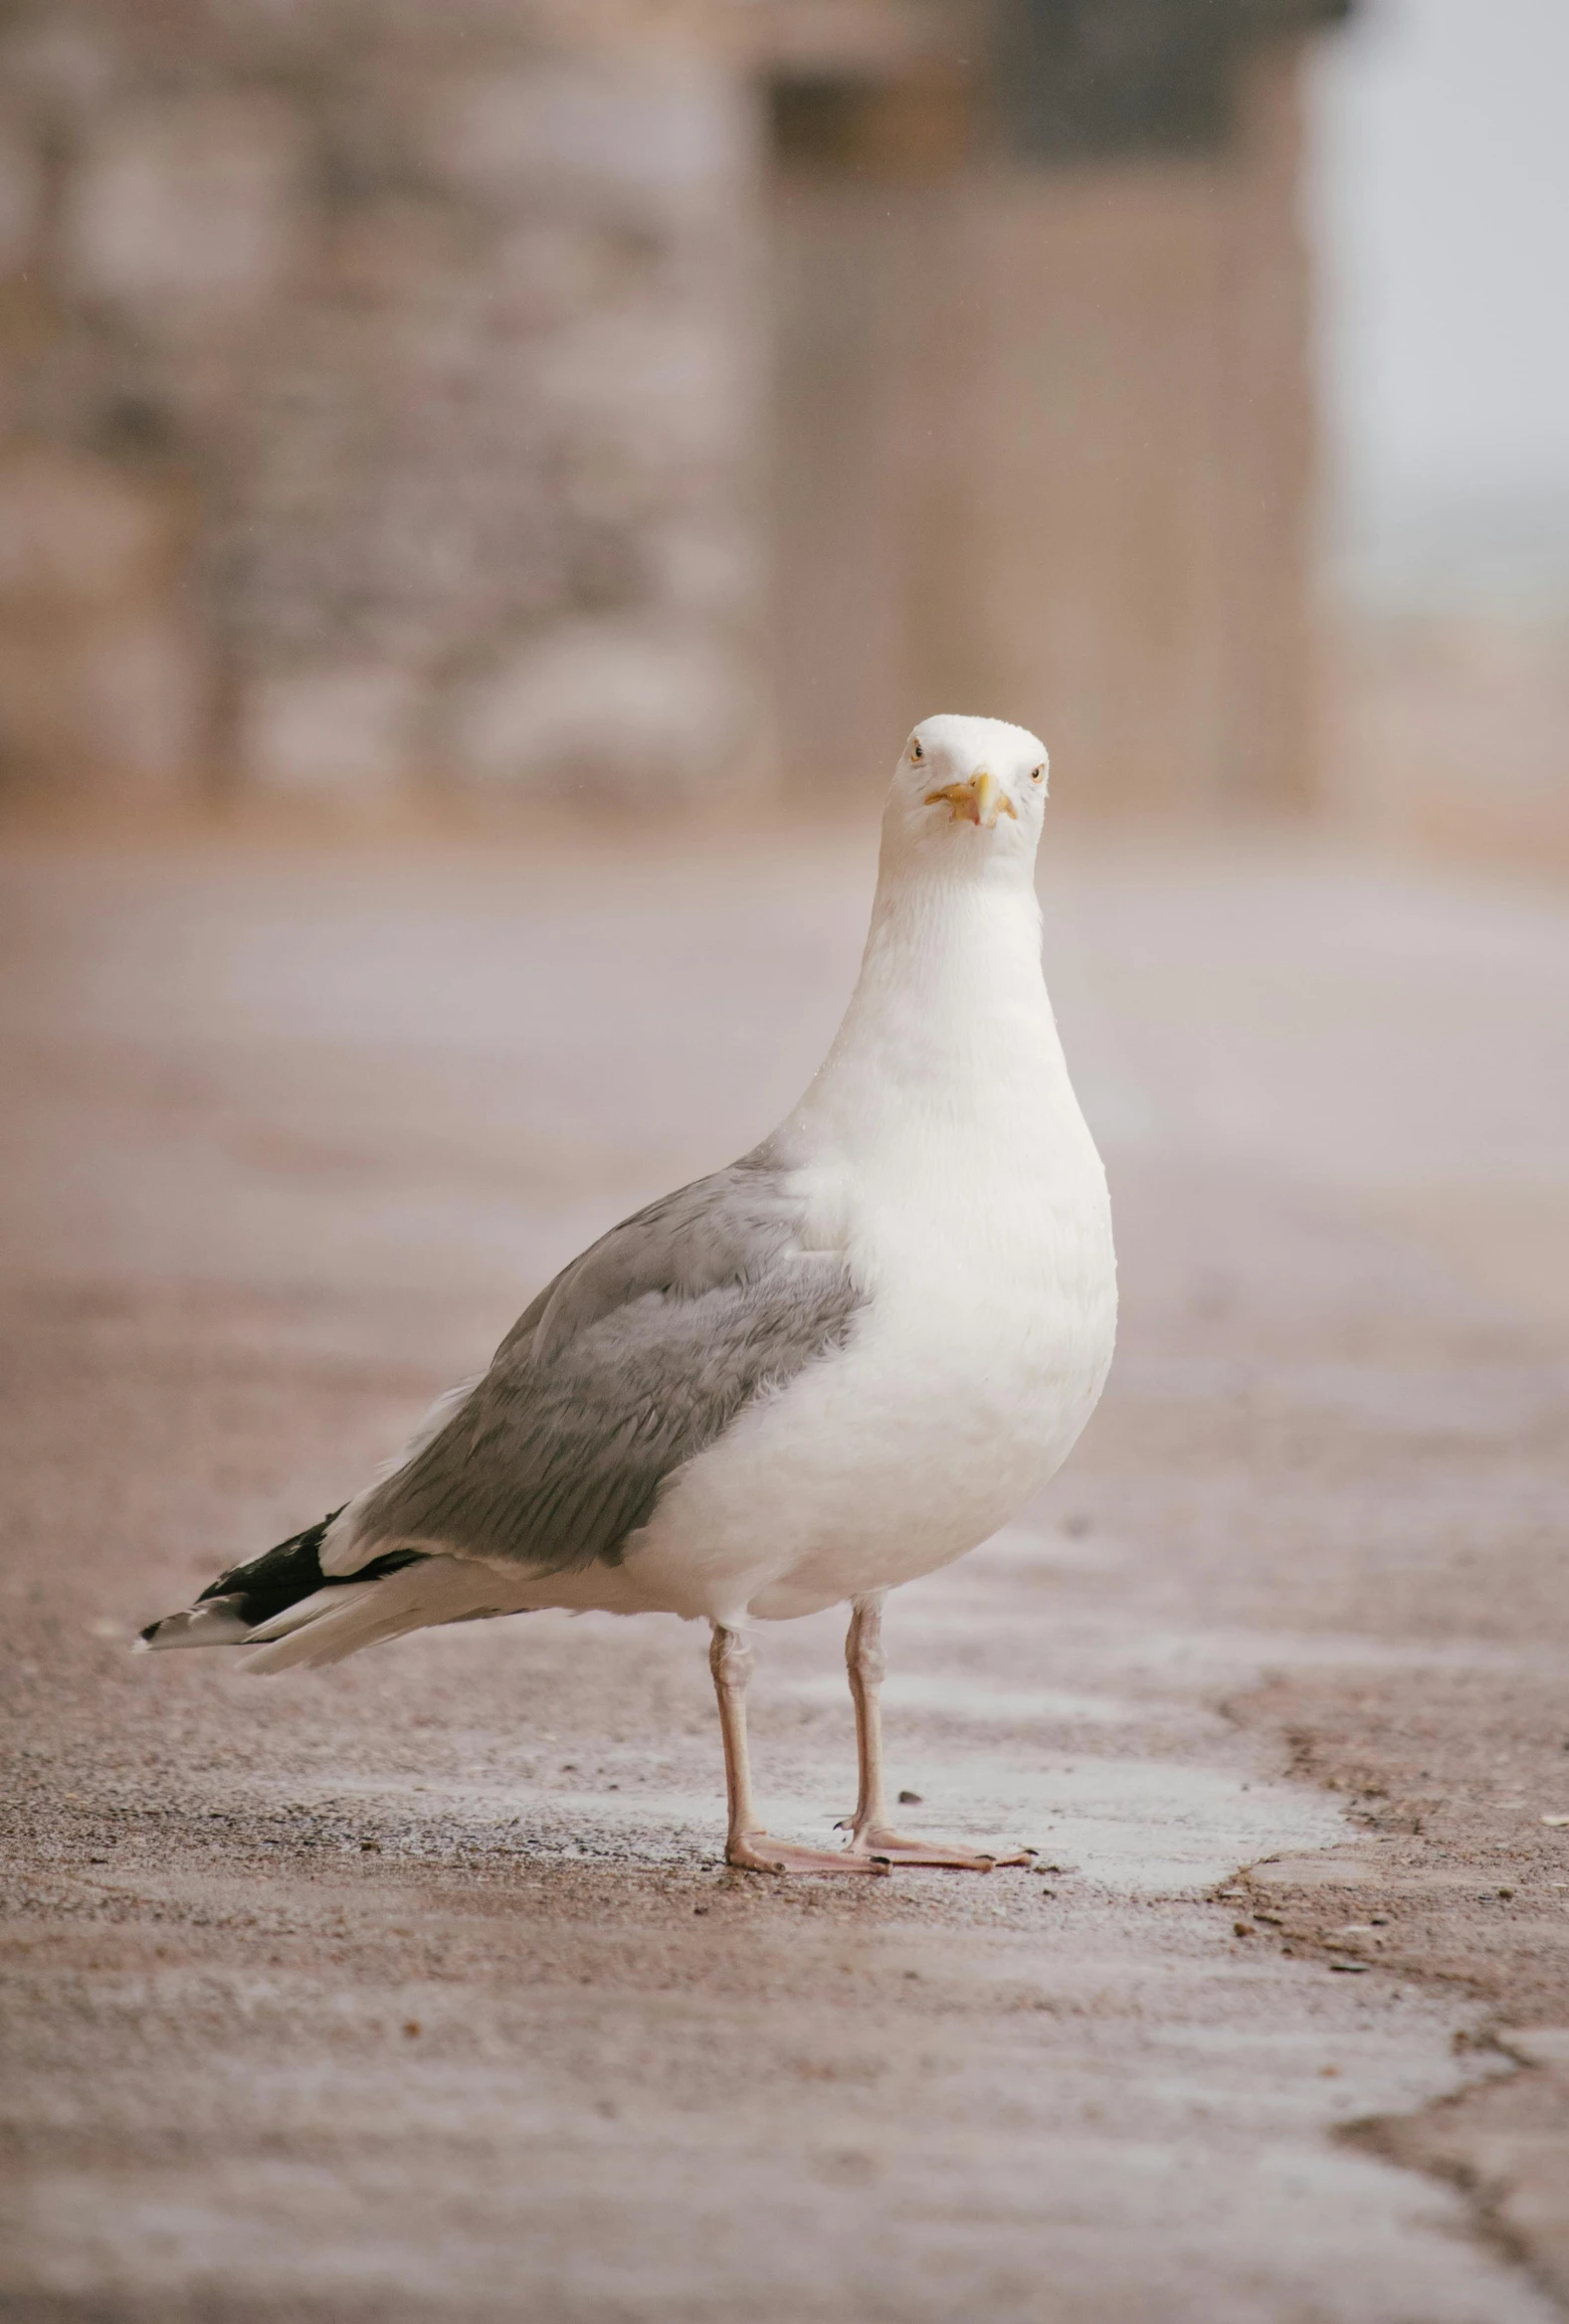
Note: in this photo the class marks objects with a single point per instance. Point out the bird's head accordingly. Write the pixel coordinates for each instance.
(968, 792)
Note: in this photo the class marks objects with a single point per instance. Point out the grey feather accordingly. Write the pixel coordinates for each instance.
(636, 1358)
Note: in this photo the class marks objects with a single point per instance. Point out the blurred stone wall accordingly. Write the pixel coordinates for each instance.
(378, 400)
(551, 400)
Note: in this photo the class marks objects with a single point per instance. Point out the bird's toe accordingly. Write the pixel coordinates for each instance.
(757, 1851)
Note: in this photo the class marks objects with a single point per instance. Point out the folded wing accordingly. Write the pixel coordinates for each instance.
(633, 1361)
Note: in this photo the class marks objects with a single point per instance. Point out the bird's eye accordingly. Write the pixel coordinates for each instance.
(1037, 774)
(917, 753)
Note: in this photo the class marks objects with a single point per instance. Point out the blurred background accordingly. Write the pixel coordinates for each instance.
(485, 488)
(534, 401)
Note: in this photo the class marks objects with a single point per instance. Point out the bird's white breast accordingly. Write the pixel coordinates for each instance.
(947, 1156)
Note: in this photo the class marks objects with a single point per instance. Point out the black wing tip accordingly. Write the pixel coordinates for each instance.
(279, 1577)
(270, 1584)
(298, 1553)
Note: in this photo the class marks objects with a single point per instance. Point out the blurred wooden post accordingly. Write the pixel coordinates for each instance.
(1043, 435)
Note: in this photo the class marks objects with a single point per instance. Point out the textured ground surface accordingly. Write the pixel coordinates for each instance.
(413, 1991)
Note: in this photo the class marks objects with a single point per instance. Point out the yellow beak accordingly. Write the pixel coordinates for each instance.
(980, 801)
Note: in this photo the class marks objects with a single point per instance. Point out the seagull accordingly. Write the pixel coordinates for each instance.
(827, 1370)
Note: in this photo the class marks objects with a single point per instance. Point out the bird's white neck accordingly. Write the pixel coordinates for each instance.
(949, 1020)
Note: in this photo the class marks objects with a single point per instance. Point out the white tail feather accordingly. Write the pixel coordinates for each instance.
(347, 1615)
(306, 1610)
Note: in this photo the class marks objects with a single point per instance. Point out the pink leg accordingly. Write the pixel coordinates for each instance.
(870, 1832)
(747, 1847)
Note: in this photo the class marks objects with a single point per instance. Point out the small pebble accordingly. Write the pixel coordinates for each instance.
(909, 1799)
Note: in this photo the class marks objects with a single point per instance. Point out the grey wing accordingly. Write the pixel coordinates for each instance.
(639, 1355)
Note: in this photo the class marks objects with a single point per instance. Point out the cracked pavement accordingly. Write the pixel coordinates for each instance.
(413, 1989)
